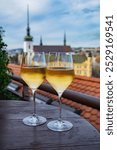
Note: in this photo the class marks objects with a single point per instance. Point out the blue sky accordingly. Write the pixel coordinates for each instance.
(50, 18)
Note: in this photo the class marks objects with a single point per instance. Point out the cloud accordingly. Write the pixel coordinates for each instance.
(86, 10)
(50, 18)
(14, 10)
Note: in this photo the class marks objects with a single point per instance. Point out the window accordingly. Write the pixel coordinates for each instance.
(85, 72)
(85, 66)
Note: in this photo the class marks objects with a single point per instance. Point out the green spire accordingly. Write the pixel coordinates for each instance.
(64, 38)
(28, 37)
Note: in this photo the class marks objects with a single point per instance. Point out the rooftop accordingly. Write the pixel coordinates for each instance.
(52, 48)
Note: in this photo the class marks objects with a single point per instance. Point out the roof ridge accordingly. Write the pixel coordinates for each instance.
(52, 45)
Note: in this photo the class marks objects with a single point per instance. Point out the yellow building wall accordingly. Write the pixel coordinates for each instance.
(84, 68)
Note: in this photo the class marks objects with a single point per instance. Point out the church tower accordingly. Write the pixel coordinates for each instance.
(28, 39)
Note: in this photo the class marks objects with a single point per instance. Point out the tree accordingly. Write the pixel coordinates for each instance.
(4, 71)
(4, 76)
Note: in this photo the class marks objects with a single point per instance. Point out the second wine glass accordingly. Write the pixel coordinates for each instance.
(60, 74)
(33, 66)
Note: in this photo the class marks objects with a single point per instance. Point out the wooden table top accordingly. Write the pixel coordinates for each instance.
(14, 135)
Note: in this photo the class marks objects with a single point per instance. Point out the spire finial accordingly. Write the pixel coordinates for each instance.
(27, 14)
(64, 38)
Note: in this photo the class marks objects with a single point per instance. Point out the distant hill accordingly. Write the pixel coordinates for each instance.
(14, 51)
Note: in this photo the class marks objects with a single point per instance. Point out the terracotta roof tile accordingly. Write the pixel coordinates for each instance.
(89, 109)
(94, 111)
(97, 90)
(97, 85)
(93, 118)
(83, 107)
(73, 104)
(92, 89)
(87, 115)
(87, 88)
(68, 102)
(97, 121)
(15, 68)
(64, 100)
(98, 114)
(77, 105)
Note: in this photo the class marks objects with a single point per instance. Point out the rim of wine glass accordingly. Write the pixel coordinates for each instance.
(59, 52)
(26, 53)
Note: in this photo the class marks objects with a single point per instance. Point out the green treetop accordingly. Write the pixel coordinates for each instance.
(4, 76)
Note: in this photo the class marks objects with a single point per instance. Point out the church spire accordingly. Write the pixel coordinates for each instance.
(28, 26)
(64, 38)
(41, 42)
(28, 37)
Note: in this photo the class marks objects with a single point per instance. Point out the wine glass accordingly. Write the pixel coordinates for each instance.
(33, 66)
(59, 74)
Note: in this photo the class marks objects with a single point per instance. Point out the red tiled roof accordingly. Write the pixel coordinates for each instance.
(52, 48)
(87, 85)
(15, 69)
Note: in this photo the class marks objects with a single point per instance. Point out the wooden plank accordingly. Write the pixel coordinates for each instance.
(14, 135)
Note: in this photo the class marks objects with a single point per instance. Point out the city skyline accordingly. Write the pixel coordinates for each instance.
(50, 19)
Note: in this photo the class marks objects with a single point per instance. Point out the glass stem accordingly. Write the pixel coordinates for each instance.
(34, 103)
(60, 108)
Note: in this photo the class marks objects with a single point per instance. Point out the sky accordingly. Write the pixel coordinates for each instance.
(80, 19)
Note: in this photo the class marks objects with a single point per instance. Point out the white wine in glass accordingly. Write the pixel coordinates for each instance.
(33, 73)
(60, 74)
(33, 76)
(60, 78)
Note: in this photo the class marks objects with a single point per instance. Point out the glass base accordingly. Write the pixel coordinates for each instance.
(57, 125)
(34, 120)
